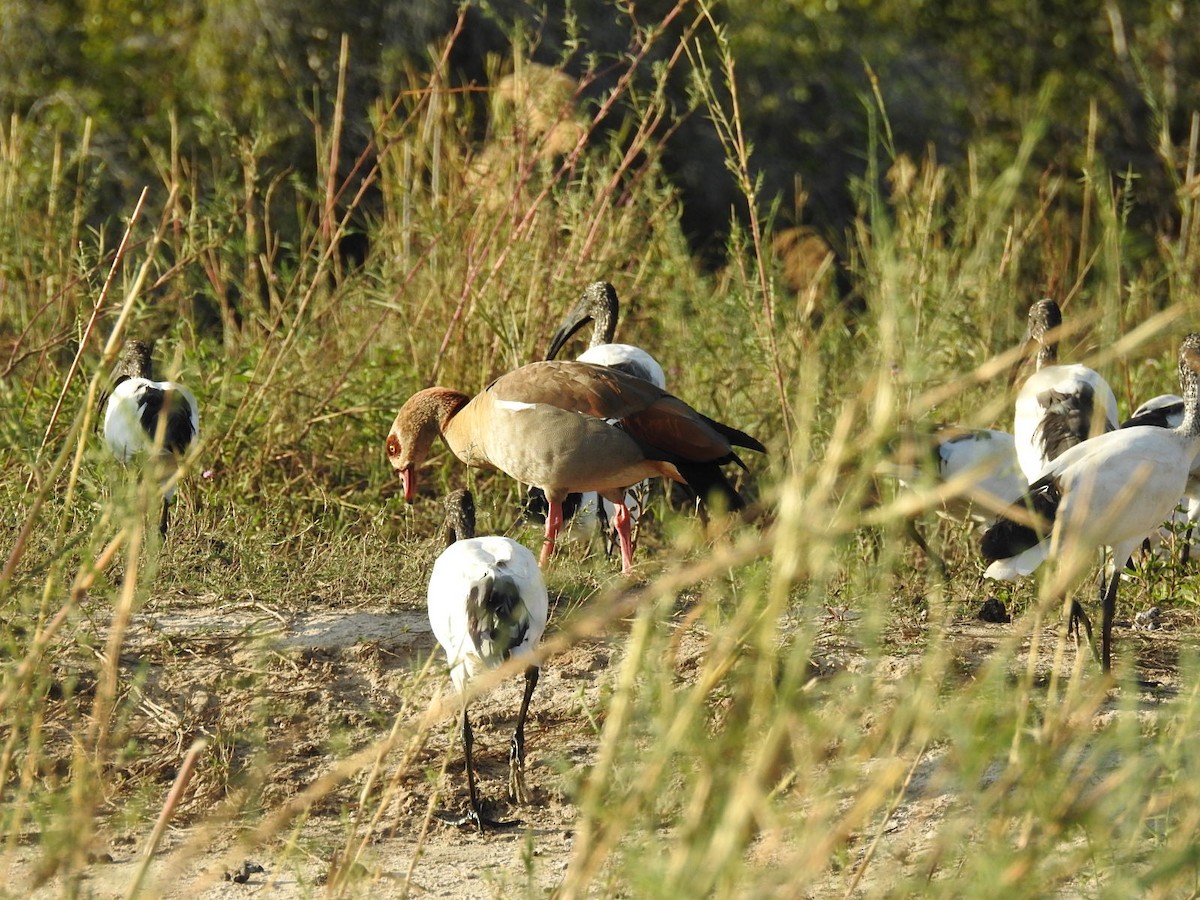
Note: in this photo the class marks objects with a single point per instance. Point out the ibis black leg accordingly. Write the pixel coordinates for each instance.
(472, 816)
(468, 742)
(1079, 616)
(1186, 553)
(1106, 621)
(610, 540)
(162, 523)
(516, 757)
(919, 540)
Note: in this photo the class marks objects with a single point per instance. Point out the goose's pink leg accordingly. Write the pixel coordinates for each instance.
(554, 521)
(623, 523)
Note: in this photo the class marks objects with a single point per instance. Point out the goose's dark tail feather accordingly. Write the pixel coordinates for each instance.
(736, 437)
(705, 479)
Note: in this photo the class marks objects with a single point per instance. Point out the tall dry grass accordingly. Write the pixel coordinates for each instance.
(834, 704)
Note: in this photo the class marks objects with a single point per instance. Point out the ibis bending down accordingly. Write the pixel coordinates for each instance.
(487, 604)
(980, 462)
(571, 426)
(1059, 405)
(599, 305)
(1109, 491)
(156, 420)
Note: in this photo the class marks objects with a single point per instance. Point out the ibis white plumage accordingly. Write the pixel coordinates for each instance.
(157, 421)
(1109, 491)
(487, 604)
(1166, 411)
(981, 461)
(975, 471)
(1059, 405)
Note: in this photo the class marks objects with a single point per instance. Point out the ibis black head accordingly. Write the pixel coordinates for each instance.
(460, 516)
(135, 360)
(1045, 322)
(598, 304)
(1189, 355)
(1042, 328)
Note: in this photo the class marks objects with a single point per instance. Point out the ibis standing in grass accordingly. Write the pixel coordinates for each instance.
(1109, 491)
(487, 604)
(981, 462)
(157, 421)
(599, 305)
(567, 427)
(1166, 411)
(1059, 405)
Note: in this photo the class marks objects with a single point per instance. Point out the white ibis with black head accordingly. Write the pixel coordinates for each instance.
(154, 420)
(1166, 411)
(1109, 491)
(1059, 405)
(599, 305)
(487, 604)
(571, 427)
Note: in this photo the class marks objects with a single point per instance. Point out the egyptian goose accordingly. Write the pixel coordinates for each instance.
(571, 426)
(1059, 405)
(599, 305)
(1109, 491)
(157, 420)
(487, 604)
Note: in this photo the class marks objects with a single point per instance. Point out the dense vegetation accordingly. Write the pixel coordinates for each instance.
(316, 214)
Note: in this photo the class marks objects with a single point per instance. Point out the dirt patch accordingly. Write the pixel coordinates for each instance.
(334, 678)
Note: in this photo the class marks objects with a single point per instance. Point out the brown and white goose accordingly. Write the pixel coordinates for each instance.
(571, 426)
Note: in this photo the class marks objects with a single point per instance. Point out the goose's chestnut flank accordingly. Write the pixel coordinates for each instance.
(154, 420)
(571, 427)
(487, 603)
(1109, 491)
(1059, 405)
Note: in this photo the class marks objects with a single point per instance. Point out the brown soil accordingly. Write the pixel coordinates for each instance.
(331, 672)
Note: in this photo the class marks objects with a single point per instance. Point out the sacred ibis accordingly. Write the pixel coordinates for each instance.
(1059, 405)
(600, 306)
(157, 421)
(487, 604)
(1109, 491)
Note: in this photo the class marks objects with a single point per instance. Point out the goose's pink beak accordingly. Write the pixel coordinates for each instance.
(409, 480)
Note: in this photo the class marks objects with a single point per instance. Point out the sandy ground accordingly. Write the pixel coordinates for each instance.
(335, 670)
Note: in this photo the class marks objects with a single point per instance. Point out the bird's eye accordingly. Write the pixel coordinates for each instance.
(393, 446)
